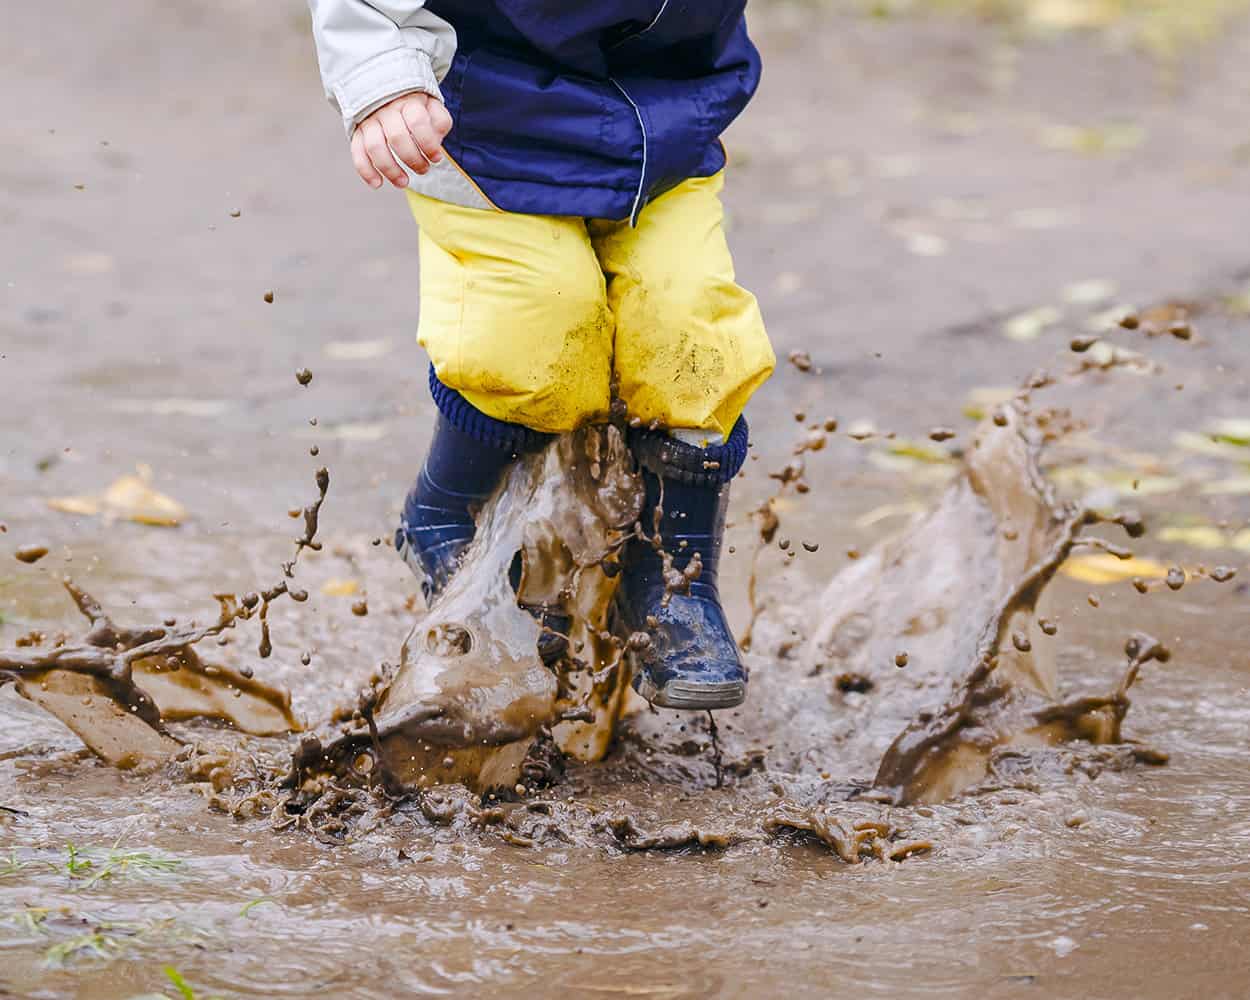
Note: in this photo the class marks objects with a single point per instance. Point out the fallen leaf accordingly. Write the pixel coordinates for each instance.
(1102, 567)
(339, 587)
(1241, 541)
(84, 506)
(1094, 140)
(1203, 444)
(980, 401)
(918, 450)
(1233, 486)
(130, 498)
(1231, 431)
(886, 511)
(1030, 325)
(1107, 320)
(1068, 14)
(1122, 481)
(1089, 293)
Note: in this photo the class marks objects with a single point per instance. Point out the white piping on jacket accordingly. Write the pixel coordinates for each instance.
(642, 177)
(658, 14)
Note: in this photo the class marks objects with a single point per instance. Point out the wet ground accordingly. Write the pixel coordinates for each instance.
(931, 209)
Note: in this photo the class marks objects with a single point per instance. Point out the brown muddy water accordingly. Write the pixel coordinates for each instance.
(937, 786)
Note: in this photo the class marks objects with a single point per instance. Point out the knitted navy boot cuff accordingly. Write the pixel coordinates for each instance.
(462, 415)
(670, 458)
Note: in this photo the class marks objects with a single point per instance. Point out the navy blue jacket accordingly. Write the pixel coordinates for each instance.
(569, 107)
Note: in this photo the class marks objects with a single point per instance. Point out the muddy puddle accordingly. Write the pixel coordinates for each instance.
(958, 768)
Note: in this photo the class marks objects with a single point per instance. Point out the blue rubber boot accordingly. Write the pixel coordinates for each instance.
(468, 456)
(682, 651)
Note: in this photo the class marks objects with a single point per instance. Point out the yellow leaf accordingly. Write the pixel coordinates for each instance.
(1030, 325)
(1231, 431)
(1102, 567)
(337, 587)
(1223, 487)
(878, 514)
(86, 506)
(1204, 444)
(132, 499)
(981, 401)
(1089, 293)
(129, 498)
(1067, 14)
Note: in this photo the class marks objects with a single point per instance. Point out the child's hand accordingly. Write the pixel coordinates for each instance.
(411, 127)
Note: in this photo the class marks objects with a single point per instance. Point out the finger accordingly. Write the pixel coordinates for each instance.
(440, 118)
(422, 132)
(401, 141)
(361, 161)
(380, 154)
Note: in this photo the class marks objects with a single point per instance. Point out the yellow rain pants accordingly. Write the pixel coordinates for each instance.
(530, 316)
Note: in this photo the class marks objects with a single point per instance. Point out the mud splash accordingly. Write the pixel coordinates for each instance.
(930, 662)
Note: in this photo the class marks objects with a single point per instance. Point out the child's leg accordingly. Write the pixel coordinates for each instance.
(690, 351)
(690, 343)
(514, 316)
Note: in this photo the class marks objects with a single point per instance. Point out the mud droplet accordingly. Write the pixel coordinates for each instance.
(1021, 642)
(811, 546)
(314, 451)
(298, 596)
(1175, 578)
(1140, 585)
(235, 213)
(941, 434)
(901, 659)
(831, 425)
(1094, 602)
(1000, 418)
(1079, 345)
(303, 376)
(1047, 626)
(360, 608)
(31, 553)
(1130, 322)
(801, 360)
(1181, 331)
(305, 658)
(1222, 574)
(268, 297)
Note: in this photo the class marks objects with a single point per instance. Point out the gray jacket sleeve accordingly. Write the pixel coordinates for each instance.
(371, 51)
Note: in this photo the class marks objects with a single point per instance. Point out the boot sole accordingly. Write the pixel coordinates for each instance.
(684, 696)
